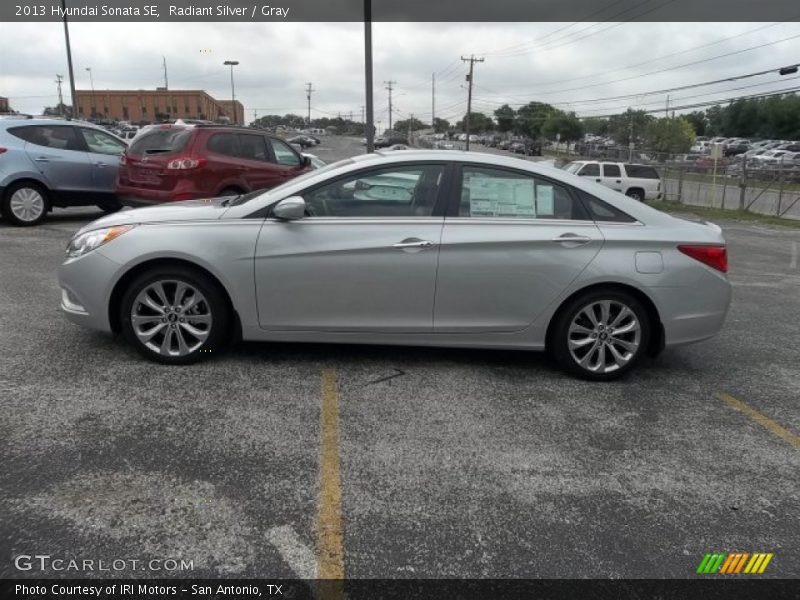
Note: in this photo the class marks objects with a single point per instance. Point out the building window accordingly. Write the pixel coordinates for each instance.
(125, 113)
(186, 110)
(144, 110)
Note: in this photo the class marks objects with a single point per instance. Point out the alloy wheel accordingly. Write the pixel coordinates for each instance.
(171, 318)
(604, 336)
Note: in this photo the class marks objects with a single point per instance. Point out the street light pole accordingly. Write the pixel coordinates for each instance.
(231, 64)
(91, 80)
(369, 126)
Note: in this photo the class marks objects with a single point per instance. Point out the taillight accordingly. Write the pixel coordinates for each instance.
(3, 150)
(715, 256)
(181, 164)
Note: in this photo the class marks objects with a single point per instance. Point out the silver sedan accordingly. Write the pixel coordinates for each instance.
(426, 248)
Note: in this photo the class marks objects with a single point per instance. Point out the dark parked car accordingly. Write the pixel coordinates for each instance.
(172, 162)
(391, 140)
(47, 162)
(304, 141)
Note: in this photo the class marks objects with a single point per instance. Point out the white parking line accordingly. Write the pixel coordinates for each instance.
(296, 554)
(793, 260)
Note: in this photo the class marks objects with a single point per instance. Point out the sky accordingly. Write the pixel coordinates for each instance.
(579, 67)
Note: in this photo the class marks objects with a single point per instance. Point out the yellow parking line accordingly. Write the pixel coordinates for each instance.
(761, 419)
(330, 562)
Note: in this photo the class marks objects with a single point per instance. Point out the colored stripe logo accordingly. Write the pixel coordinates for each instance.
(734, 563)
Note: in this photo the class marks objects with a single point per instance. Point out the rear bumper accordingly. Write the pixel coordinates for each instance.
(134, 196)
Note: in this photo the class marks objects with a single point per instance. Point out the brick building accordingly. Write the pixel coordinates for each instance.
(146, 106)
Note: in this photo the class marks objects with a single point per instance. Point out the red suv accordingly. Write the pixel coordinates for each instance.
(174, 162)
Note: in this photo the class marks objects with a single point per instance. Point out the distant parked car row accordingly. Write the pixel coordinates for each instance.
(47, 163)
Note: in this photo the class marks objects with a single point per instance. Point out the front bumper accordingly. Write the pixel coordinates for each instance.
(86, 284)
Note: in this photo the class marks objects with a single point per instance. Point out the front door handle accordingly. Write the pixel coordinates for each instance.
(572, 238)
(413, 243)
(100, 164)
(41, 159)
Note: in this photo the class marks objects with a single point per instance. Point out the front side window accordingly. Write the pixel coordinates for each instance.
(102, 143)
(590, 170)
(487, 192)
(252, 147)
(284, 155)
(400, 191)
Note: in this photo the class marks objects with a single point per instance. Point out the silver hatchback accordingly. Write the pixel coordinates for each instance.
(429, 248)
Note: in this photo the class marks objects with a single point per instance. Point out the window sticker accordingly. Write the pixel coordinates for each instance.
(544, 201)
(501, 197)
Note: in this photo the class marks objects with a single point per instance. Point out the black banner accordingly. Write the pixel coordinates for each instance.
(401, 10)
(405, 589)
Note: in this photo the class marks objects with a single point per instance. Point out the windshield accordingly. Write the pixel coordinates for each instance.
(279, 189)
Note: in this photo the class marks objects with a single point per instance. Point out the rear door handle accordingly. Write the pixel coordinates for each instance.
(100, 164)
(598, 180)
(572, 238)
(41, 159)
(413, 243)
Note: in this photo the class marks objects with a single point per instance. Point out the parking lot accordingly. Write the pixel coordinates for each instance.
(278, 460)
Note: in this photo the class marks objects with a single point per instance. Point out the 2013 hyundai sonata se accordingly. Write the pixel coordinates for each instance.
(432, 248)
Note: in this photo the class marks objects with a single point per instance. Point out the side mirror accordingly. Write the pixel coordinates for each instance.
(290, 209)
(306, 161)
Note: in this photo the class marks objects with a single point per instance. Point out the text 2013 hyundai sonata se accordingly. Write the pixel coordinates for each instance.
(431, 248)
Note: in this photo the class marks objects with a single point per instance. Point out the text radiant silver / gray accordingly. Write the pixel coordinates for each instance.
(419, 248)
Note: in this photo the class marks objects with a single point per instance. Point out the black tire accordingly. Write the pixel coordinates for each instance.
(215, 299)
(558, 344)
(636, 194)
(230, 191)
(30, 187)
(110, 205)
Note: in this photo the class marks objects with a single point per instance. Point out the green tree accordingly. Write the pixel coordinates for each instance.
(629, 126)
(505, 118)
(56, 111)
(531, 117)
(413, 124)
(566, 126)
(699, 121)
(595, 125)
(478, 123)
(440, 125)
(671, 135)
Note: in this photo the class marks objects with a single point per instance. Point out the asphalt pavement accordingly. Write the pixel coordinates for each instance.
(447, 463)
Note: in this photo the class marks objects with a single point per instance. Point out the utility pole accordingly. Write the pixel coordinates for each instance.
(308, 97)
(166, 81)
(231, 64)
(389, 85)
(410, 120)
(433, 100)
(362, 113)
(369, 124)
(91, 81)
(59, 79)
(666, 111)
(471, 60)
(69, 62)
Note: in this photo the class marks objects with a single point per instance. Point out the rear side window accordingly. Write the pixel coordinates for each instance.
(602, 211)
(223, 143)
(59, 137)
(160, 141)
(641, 171)
(610, 170)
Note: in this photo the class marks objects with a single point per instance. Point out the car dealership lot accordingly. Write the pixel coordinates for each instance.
(448, 463)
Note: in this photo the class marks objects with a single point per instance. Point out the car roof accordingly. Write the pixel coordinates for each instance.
(8, 123)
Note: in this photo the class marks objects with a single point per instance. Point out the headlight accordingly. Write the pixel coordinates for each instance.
(86, 242)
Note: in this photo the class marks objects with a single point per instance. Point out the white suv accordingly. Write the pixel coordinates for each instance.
(641, 182)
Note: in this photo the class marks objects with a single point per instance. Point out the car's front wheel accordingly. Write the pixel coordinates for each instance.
(175, 315)
(601, 335)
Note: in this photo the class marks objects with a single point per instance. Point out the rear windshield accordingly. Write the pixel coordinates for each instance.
(641, 171)
(160, 141)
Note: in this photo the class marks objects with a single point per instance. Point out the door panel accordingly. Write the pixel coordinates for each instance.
(331, 274)
(59, 155)
(612, 177)
(104, 151)
(499, 276)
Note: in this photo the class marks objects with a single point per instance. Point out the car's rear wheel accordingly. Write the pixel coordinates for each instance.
(231, 191)
(601, 335)
(175, 315)
(636, 194)
(25, 203)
